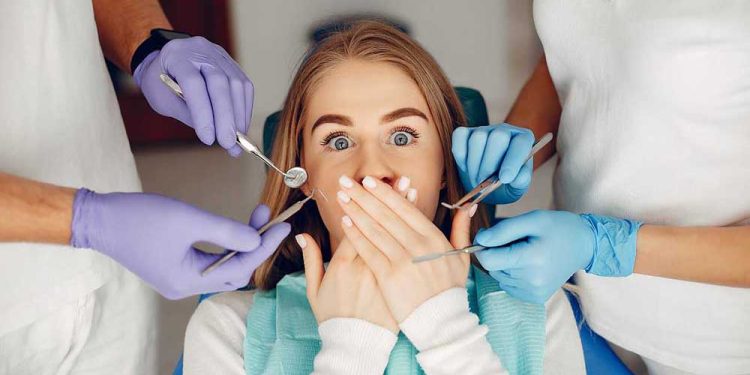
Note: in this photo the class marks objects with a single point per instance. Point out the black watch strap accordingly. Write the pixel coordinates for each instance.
(155, 42)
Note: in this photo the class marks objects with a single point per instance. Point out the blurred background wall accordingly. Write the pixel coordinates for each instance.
(488, 45)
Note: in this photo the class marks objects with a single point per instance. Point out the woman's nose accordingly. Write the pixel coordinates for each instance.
(374, 165)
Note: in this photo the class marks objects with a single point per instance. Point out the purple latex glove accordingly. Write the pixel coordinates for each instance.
(152, 236)
(218, 95)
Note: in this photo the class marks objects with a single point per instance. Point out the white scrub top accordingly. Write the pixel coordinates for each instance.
(656, 126)
(59, 123)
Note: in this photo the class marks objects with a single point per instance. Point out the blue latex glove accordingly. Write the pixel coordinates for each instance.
(152, 236)
(481, 151)
(218, 95)
(534, 254)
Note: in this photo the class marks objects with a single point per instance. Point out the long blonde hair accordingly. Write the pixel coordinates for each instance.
(370, 41)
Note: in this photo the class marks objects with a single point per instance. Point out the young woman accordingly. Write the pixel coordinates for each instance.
(370, 116)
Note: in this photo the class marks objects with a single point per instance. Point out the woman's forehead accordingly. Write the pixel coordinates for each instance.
(359, 88)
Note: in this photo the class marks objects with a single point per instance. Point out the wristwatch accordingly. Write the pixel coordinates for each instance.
(155, 42)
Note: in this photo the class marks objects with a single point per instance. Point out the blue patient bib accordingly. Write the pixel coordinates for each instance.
(282, 333)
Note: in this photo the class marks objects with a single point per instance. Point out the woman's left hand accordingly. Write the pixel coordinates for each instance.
(388, 231)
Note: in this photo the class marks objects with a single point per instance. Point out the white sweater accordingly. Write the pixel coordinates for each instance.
(448, 336)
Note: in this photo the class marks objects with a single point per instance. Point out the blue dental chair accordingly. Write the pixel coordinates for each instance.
(598, 356)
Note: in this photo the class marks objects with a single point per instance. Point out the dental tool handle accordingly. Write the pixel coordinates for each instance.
(466, 250)
(539, 144)
(251, 148)
(496, 182)
(243, 141)
(491, 183)
(293, 209)
(172, 85)
(231, 254)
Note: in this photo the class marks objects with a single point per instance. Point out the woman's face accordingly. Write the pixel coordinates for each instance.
(369, 119)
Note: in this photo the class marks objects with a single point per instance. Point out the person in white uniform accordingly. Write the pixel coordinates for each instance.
(65, 309)
(650, 101)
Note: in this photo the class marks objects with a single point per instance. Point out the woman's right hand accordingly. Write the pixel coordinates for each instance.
(388, 231)
(347, 289)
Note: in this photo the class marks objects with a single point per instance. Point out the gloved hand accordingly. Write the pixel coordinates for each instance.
(218, 95)
(152, 236)
(534, 254)
(481, 151)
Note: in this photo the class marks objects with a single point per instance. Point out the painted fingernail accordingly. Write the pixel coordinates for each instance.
(346, 181)
(346, 220)
(411, 195)
(300, 241)
(369, 182)
(344, 197)
(473, 210)
(403, 183)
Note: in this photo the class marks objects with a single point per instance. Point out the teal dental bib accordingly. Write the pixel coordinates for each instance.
(282, 333)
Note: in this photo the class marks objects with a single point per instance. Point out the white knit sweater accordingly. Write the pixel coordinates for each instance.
(448, 336)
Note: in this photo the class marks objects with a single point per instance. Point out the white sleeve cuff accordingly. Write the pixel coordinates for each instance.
(449, 337)
(353, 346)
(439, 320)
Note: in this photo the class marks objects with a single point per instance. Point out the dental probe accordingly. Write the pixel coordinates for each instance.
(293, 178)
(289, 212)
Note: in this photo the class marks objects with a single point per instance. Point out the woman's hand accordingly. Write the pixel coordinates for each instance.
(347, 289)
(387, 231)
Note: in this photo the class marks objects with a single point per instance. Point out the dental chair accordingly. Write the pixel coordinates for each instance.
(598, 356)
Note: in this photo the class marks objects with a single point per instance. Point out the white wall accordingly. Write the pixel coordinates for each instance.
(485, 44)
(488, 45)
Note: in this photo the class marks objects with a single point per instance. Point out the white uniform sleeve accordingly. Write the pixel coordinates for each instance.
(215, 335)
(563, 353)
(353, 346)
(449, 337)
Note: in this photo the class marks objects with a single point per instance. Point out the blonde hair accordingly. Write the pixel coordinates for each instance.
(369, 41)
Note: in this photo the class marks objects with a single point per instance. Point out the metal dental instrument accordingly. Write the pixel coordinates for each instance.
(289, 212)
(491, 184)
(294, 177)
(432, 256)
(466, 250)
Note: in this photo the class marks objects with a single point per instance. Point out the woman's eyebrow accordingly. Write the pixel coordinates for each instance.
(389, 117)
(333, 119)
(403, 112)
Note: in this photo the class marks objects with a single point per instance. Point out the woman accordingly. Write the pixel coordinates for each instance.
(370, 116)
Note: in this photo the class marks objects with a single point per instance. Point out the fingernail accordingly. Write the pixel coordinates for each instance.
(300, 241)
(346, 181)
(411, 195)
(347, 220)
(473, 210)
(369, 182)
(403, 183)
(344, 197)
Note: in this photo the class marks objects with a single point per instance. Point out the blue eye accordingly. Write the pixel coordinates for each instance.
(401, 138)
(339, 143)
